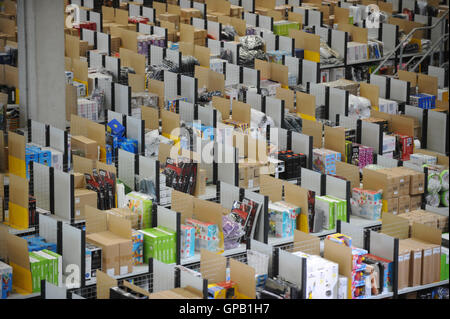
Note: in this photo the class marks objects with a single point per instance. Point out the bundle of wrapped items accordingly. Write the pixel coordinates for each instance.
(356, 52)
(366, 203)
(160, 244)
(387, 106)
(269, 88)
(358, 107)
(328, 55)
(81, 88)
(144, 42)
(282, 27)
(43, 155)
(6, 278)
(360, 155)
(321, 277)
(422, 159)
(282, 219)
(206, 235)
(252, 47)
(233, 229)
(139, 99)
(217, 65)
(88, 109)
(324, 160)
(187, 241)
(138, 19)
(238, 125)
(438, 185)
(329, 209)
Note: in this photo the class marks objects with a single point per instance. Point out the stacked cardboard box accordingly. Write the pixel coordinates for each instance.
(236, 11)
(187, 13)
(84, 147)
(249, 173)
(427, 218)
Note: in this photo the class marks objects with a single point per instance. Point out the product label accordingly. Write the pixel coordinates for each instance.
(110, 272)
(77, 212)
(437, 250)
(123, 270)
(77, 200)
(250, 183)
(400, 259)
(406, 257)
(417, 255)
(427, 252)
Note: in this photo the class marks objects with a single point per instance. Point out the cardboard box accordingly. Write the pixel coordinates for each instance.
(174, 18)
(405, 180)
(417, 182)
(404, 203)
(113, 235)
(415, 202)
(376, 180)
(415, 263)
(427, 259)
(404, 254)
(248, 174)
(85, 147)
(84, 197)
(390, 206)
(200, 184)
(79, 180)
(127, 214)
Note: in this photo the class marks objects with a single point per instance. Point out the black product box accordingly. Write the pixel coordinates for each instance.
(292, 164)
(93, 260)
(32, 218)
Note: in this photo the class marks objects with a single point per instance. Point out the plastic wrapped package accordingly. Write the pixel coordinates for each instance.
(292, 122)
(328, 55)
(228, 33)
(152, 141)
(359, 107)
(98, 95)
(434, 183)
(145, 185)
(124, 71)
(258, 124)
(252, 48)
(206, 96)
(232, 232)
(433, 199)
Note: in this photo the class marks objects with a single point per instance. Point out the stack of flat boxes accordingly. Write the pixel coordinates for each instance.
(165, 193)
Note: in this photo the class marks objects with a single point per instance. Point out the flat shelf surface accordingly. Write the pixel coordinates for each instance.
(16, 295)
(196, 258)
(137, 270)
(382, 295)
(362, 222)
(438, 210)
(274, 241)
(417, 288)
(210, 192)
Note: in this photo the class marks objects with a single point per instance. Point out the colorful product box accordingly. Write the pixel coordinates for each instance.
(137, 250)
(388, 270)
(187, 241)
(36, 274)
(170, 244)
(326, 206)
(358, 256)
(6, 279)
(324, 160)
(366, 204)
(93, 260)
(341, 239)
(142, 205)
(282, 220)
(206, 234)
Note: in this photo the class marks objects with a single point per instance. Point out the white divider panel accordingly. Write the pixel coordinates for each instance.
(286, 44)
(173, 56)
(274, 109)
(199, 6)
(261, 220)
(147, 167)
(254, 100)
(170, 85)
(188, 278)
(226, 158)
(89, 36)
(355, 232)
(106, 86)
(250, 18)
(438, 31)
(95, 59)
(214, 46)
(250, 77)
(126, 168)
(103, 43)
(439, 73)
(62, 195)
(301, 10)
(322, 32)
(338, 42)
(345, 5)
(386, 161)
(72, 254)
(300, 143)
(48, 228)
(295, 3)
(232, 72)
(186, 111)
(111, 115)
(436, 131)
(336, 187)
(290, 267)
(337, 103)
(381, 245)
(224, 136)
(167, 218)
(163, 276)
(75, 296)
(199, 23)
(409, 4)
(83, 15)
(311, 180)
(122, 98)
(134, 10)
(88, 4)
(159, 31)
(309, 72)
(370, 135)
(421, 19)
(228, 194)
(415, 112)
(97, 18)
(234, 2)
(248, 5)
(270, 39)
(318, 90)
(234, 48)
(145, 28)
(188, 88)
(41, 185)
(148, 13)
(185, 4)
(373, 33)
(57, 139)
(156, 55)
(362, 12)
(214, 29)
(278, 136)
(398, 90)
(135, 130)
(293, 64)
(395, 4)
(314, 17)
(265, 249)
(112, 64)
(347, 122)
(54, 292)
(266, 22)
(38, 133)
(381, 82)
(206, 115)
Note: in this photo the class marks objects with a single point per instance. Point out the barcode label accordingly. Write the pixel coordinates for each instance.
(427, 252)
(437, 250)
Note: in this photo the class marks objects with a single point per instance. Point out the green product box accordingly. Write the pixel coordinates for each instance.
(327, 206)
(341, 213)
(51, 267)
(35, 268)
(43, 266)
(153, 241)
(444, 264)
(58, 265)
(171, 244)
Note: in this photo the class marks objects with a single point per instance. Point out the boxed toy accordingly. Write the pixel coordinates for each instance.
(281, 223)
(6, 279)
(385, 269)
(170, 255)
(324, 160)
(137, 251)
(342, 287)
(142, 205)
(326, 207)
(206, 234)
(154, 244)
(187, 241)
(341, 239)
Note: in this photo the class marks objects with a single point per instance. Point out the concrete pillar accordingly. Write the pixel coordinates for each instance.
(41, 61)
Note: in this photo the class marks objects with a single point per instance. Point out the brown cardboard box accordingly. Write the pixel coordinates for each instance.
(174, 18)
(83, 48)
(125, 256)
(248, 174)
(212, 17)
(415, 263)
(415, 202)
(200, 184)
(404, 203)
(427, 260)
(390, 205)
(88, 148)
(403, 265)
(405, 180)
(110, 251)
(397, 180)
(84, 197)
(188, 13)
(236, 11)
(375, 180)
(79, 180)
(417, 182)
(126, 214)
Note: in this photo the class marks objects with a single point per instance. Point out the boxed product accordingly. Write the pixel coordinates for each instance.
(417, 182)
(387, 106)
(389, 143)
(405, 179)
(93, 260)
(206, 235)
(282, 219)
(84, 147)
(142, 205)
(170, 254)
(404, 204)
(276, 56)
(342, 287)
(341, 239)
(340, 212)
(415, 263)
(37, 273)
(153, 244)
(187, 241)
(84, 197)
(6, 279)
(422, 159)
(326, 206)
(444, 264)
(388, 183)
(405, 146)
(137, 250)
(385, 269)
(366, 203)
(127, 214)
(415, 202)
(282, 27)
(88, 109)
(324, 160)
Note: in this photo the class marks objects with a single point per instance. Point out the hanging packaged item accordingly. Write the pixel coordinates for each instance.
(206, 235)
(181, 175)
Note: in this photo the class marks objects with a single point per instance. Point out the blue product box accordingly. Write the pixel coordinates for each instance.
(109, 154)
(6, 279)
(129, 145)
(187, 241)
(115, 128)
(45, 158)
